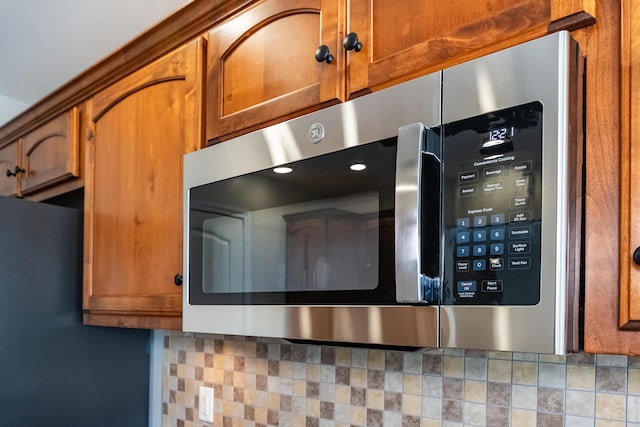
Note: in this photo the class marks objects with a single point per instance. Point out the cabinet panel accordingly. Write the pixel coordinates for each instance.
(607, 241)
(413, 22)
(46, 157)
(261, 64)
(630, 167)
(253, 72)
(405, 39)
(573, 9)
(9, 155)
(416, 37)
(142, 127)
(138, 190)
(50, 154)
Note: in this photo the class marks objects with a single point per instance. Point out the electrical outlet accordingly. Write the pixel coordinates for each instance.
(205, 404)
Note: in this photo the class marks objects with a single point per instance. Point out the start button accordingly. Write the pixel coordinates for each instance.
(492, 286)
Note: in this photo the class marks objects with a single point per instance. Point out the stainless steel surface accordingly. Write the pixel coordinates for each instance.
(535, 71)
(388, 325)
(538, 70)
(407, 219)
(370, 118)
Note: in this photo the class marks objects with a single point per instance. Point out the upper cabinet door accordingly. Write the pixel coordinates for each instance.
(9, 155)
(42, 158)
(404, 39)
(262, 67)
(51, 153)
(143, 125)
(630, 168)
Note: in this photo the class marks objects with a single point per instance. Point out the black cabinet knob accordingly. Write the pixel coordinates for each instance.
(177, 279)
(351, 42)
(636, 256)
(323, 55)
(15, 172)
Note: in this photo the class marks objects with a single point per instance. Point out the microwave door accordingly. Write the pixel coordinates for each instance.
(314, 255)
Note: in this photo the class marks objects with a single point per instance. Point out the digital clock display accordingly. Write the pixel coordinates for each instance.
(501, 133)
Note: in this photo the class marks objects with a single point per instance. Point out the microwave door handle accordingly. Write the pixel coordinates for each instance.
(407, 214)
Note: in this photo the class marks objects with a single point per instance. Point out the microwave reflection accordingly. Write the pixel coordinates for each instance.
(316, 227)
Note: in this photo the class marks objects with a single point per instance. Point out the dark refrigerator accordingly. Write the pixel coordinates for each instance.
(54, 370)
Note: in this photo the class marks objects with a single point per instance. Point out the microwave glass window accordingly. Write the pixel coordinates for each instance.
(313, 231)
(327, 244)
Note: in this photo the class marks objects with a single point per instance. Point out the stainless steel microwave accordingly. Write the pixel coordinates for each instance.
(441, 212)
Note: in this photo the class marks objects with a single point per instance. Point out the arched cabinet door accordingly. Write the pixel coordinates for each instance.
(9, 157)
(142, 126)
(261, 64)
(51, 154)
(43, 159)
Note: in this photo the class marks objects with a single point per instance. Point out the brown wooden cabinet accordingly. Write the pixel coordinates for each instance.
(630, 167)
(262, 66)
(413, 37)
(611, 233)
(142, 126)
(9, 159)
(42, 158)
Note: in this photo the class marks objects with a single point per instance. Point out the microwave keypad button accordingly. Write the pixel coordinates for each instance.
(517, 248)
(468, 176)
(519, 263)
(497, 219)
(492, 286)
(520, 202)
(479, 264)
(496, 249)
(463, 237)
(479, 250)
(521, 168)
(493, 172)
(480, 221)
(496, 264)
(520, 232)
(522, 182)
(467, 286)
(462, 266)
(497, 234)
(493, 186)
(462, 251)
(468, 190)
(522, 216)
(463, 222)
(480, 235)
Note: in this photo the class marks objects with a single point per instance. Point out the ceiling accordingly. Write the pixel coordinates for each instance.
(44, 43)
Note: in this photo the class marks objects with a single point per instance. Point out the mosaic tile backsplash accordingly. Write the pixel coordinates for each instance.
(267, 382)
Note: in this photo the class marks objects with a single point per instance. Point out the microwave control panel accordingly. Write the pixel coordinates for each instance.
(492, 208)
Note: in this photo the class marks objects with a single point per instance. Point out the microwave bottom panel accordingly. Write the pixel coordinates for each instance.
(499, 328)
(408, 326)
